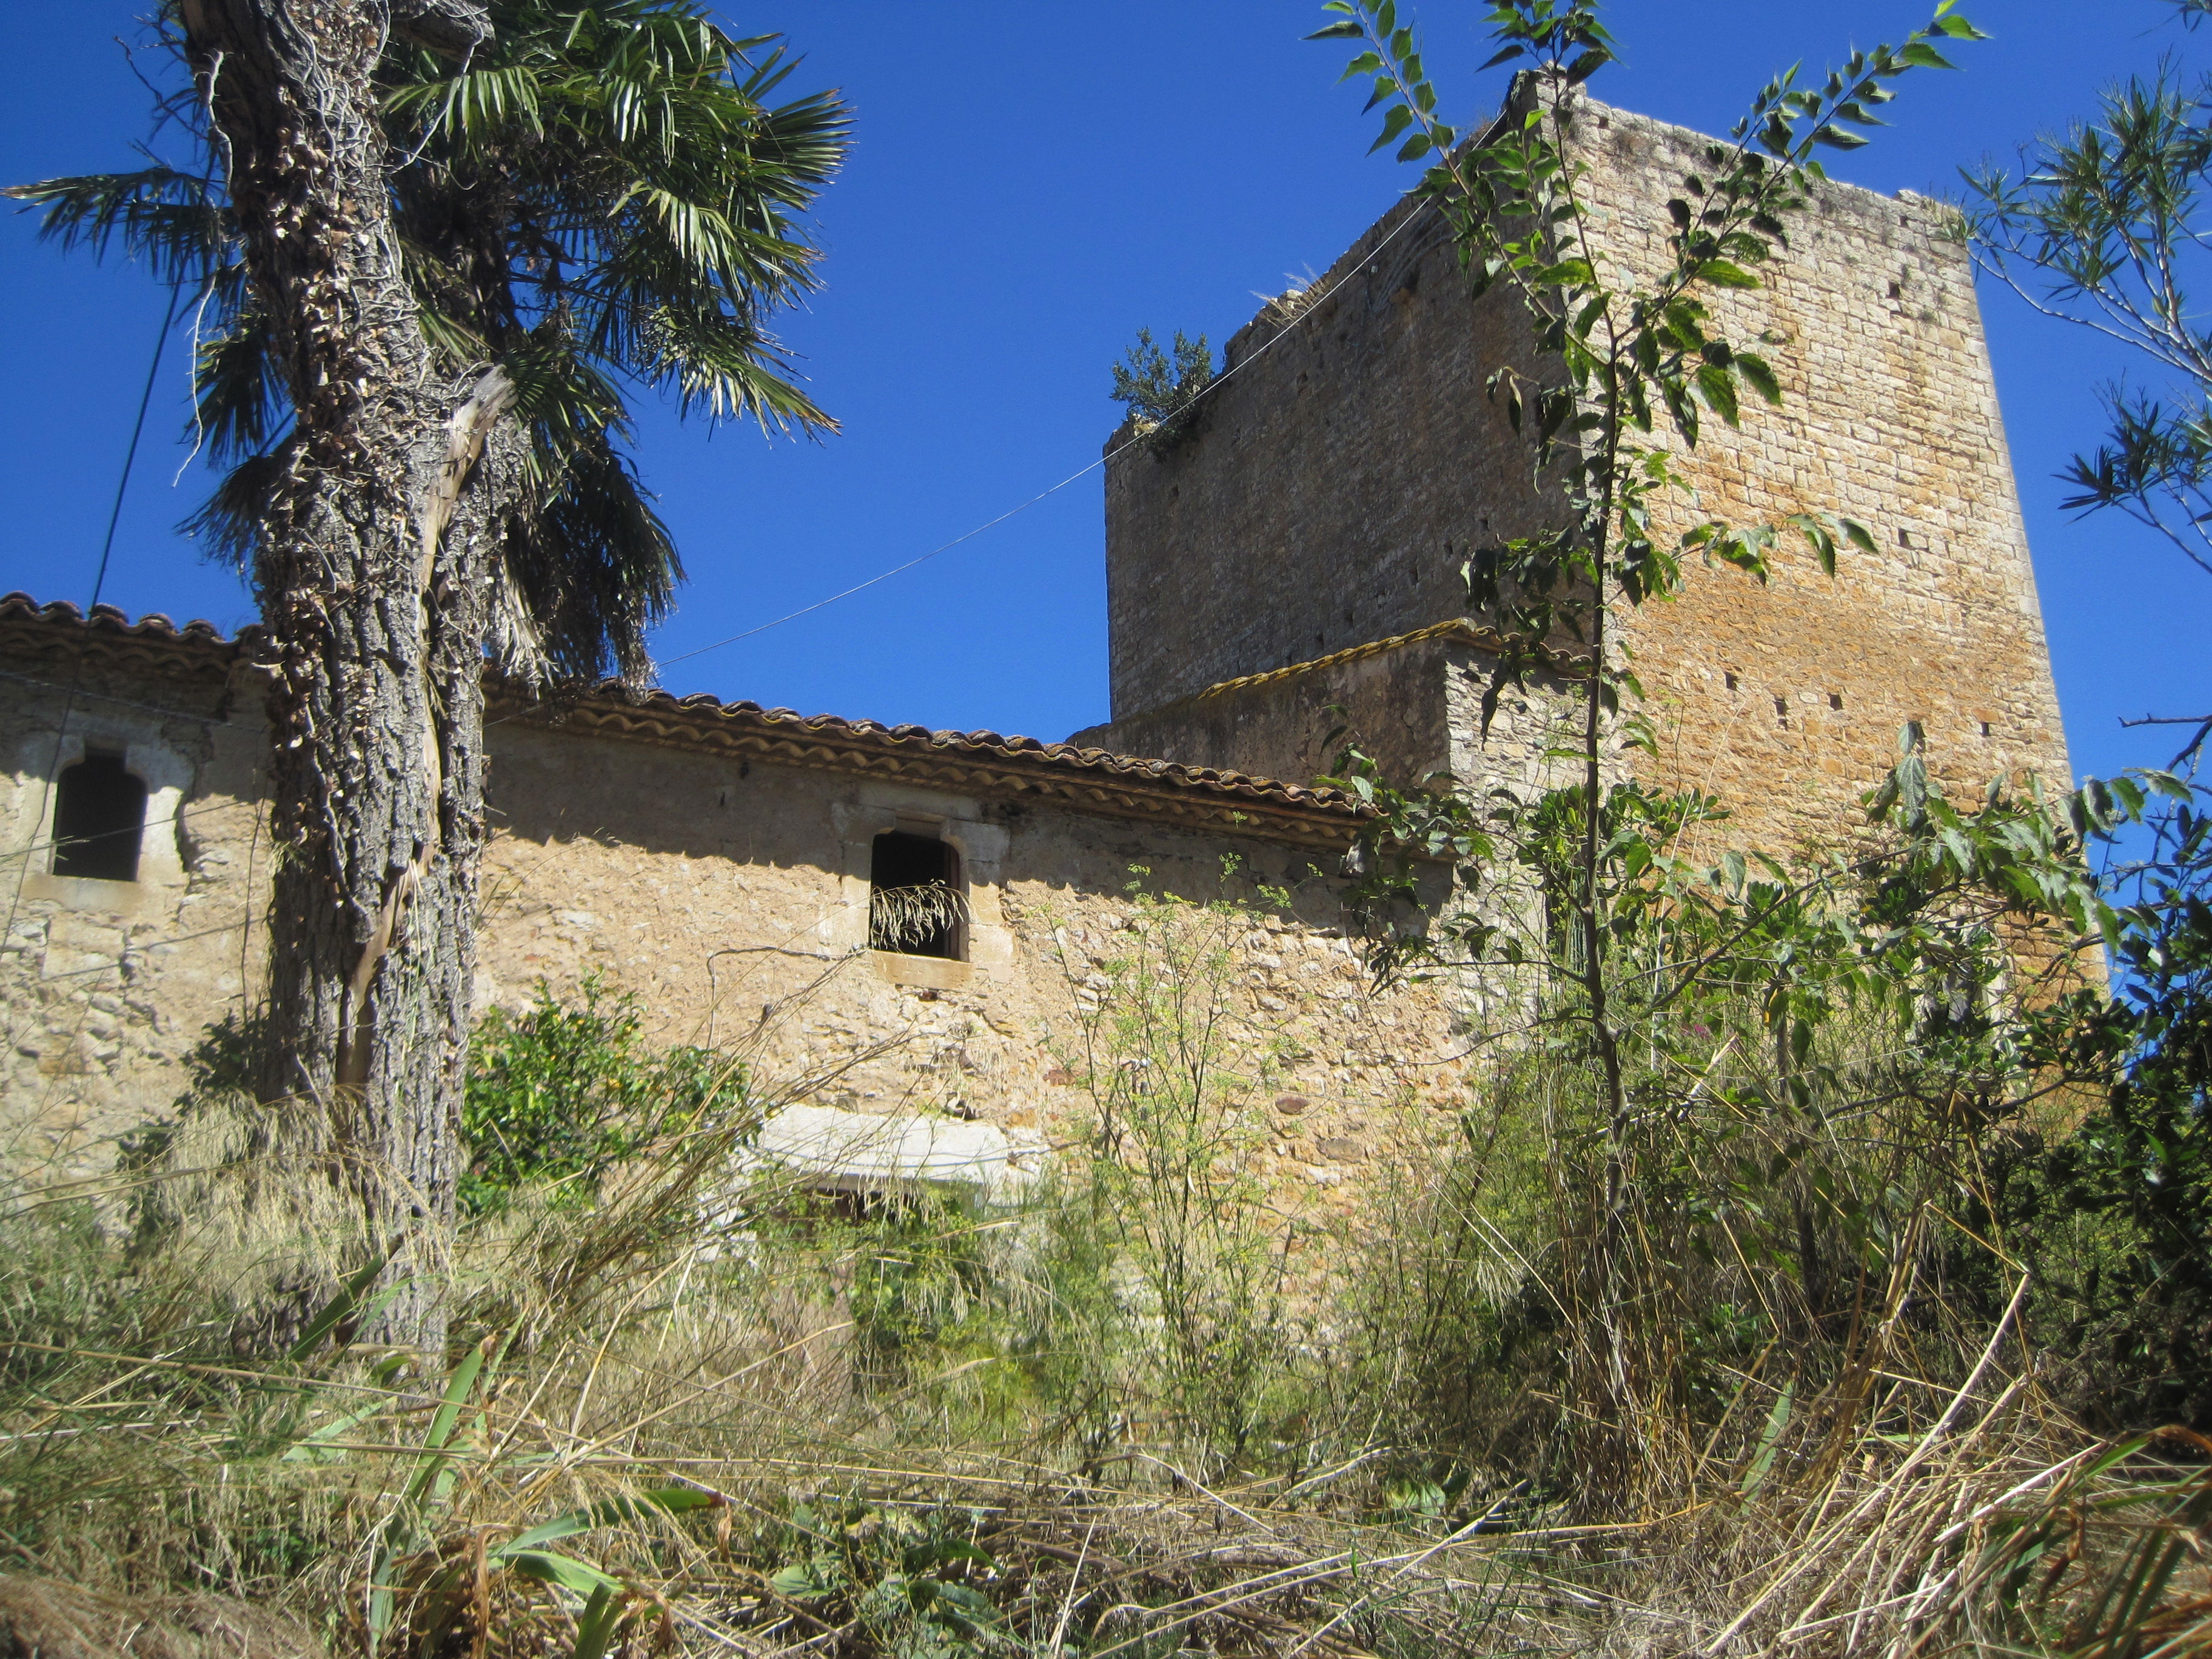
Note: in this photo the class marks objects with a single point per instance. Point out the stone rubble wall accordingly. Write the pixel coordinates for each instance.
(1330, 495)
(105, 988)
(1327, 494)
(729, 895)
(1889, 416)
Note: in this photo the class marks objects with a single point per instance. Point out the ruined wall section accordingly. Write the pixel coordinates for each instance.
(105, 986)
(1786, 700)
(1276, 725)
(1327, 493)
(1330, 495)
(1416, 708)
(731, 896)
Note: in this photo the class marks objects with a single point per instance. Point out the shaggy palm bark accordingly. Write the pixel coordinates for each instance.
(374, 585)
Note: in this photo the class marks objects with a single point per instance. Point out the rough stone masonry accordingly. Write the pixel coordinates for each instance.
(1298, 552)
(717, 860)
(1301, 547)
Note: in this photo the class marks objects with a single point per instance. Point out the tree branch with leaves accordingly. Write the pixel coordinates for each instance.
(2102, 227)
(1636, 361)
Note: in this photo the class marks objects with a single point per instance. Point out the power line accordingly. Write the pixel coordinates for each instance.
(133, 947)
(100, 579)
(194, 813)
(127, 703)
(1305, 311)
(75, 689)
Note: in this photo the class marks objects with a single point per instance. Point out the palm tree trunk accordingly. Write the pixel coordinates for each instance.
(373, 582)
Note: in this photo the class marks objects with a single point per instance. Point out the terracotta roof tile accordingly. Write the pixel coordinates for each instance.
(1087, 779)
(106, 619)
(608, 703)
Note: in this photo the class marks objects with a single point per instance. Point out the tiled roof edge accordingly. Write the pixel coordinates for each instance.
(1566, 664)
(1019, 768)
(1457, 628)
(107, 619)
(1084, 779)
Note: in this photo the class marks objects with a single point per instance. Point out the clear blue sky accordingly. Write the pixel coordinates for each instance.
(1031, 183)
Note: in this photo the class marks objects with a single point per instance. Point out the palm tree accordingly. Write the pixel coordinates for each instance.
(601, 197)
(437, 245)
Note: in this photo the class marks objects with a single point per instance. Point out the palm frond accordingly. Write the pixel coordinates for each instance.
(802, 142)
(230, 524)
(172, 220)
(238, 399)
(559, 390)
(606, 194)
(475, 102)
(592, 569)
(728, 369)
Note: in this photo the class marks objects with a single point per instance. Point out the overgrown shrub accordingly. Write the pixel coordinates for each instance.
(1199, 1251)
(2114, 1217)
(560, 1094)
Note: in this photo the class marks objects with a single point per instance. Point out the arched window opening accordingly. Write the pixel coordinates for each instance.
(915, 907)
(100, 819)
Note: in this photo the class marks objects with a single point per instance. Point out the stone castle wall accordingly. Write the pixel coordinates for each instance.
(1786, 700)
(1329, 495)
(1413, 706)
(1328, 490)
(1290, 564)
(730, 894)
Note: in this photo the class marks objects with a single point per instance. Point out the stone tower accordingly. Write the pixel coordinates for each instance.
(1299, 549)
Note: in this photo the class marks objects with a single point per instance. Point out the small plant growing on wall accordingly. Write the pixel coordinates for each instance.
(1162, 390)
(1645, 959)
(1173, 1202)
(915, 920)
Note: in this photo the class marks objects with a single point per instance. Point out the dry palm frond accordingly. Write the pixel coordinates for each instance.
(906, 918)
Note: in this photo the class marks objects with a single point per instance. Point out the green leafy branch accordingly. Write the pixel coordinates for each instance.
(1512, 198)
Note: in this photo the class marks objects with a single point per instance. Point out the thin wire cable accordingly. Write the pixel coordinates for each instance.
(127, 702)
(197, 813)
(1305, 311)
(1223, 379)
(177, 816)
(138, 947)
(134, 948)
(98, 583)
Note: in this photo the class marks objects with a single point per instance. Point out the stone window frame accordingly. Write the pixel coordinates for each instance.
(39, 765)
(980, 848)
(954, 877)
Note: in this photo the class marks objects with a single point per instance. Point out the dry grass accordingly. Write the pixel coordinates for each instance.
(676, 1416)
(829, 1520)
(40, 1619)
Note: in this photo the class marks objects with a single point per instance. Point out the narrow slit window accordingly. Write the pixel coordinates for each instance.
(100, 820)
(915, 907)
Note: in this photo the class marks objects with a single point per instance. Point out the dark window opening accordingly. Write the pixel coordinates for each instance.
(1730, 678)
(1835, 699)
(914, 903)
(100, 817)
